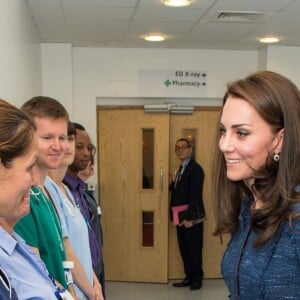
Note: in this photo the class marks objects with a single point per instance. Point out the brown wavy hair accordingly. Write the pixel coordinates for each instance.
(277, 101)
(16, 133)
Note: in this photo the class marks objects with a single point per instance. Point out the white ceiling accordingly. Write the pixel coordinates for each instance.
(120, 23)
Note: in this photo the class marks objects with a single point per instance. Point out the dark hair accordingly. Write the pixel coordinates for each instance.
(71, 129)
(186, 141)
(42, 107)
(277, 101)
(16, 133)
(78, 126)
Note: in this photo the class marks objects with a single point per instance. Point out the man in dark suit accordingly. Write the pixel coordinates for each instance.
(186, 189)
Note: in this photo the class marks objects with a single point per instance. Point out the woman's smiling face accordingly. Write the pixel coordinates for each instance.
(15, 184)
(246, 139)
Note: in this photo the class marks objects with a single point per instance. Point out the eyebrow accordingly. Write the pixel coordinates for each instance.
(238, 125)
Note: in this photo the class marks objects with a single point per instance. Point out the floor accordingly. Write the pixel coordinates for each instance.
(212, 289)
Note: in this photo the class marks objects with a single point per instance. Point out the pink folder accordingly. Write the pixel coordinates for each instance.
(176, 210)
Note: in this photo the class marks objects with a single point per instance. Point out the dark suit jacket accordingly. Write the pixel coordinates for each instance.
(189, 190)
(95, 223)
(97, 228)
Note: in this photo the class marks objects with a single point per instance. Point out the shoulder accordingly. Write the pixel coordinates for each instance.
(36, 199)
(53, 190)
(69, 193)
(295, 217)
(291, 227)
(7, 243)
(91, 201)
(195, 166)
(50, 184)
(192, 164)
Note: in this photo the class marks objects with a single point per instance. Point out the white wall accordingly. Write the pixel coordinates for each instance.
(286, 61)
(58, 76)
(78, 76)
(112, 73)
(262, 58)
(20, 54)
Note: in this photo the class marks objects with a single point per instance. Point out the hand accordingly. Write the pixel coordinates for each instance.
(91, 295)
(97, 289)
(87, 173)
(70, 293)
(186, 224)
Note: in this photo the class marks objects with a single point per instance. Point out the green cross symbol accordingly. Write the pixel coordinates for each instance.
(167, 83)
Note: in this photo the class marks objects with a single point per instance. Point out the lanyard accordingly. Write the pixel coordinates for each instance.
(39, 195)
(4, 279)
(61, 293)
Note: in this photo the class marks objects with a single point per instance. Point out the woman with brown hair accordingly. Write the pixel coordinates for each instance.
(27, 274)
(256, 178)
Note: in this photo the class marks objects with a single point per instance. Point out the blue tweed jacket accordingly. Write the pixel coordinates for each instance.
(269, 272)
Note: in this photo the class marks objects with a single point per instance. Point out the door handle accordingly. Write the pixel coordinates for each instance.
(161, 181)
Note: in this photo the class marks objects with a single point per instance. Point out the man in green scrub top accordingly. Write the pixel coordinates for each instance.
(42, 228)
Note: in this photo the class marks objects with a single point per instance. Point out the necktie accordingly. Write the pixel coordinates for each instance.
(178, 175)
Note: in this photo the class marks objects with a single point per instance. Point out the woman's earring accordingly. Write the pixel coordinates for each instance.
(276, 157)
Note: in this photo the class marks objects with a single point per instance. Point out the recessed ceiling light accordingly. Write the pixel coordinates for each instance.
(269, 39)
(154, 37)
(177, 3)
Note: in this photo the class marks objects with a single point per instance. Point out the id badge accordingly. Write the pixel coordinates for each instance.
(99, 210)
(64, 295)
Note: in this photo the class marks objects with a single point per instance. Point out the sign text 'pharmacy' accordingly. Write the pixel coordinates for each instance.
(177, 83)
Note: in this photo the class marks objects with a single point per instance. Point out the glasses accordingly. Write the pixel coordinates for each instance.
(177, 148)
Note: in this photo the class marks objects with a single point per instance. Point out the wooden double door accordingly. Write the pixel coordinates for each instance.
(139, 240)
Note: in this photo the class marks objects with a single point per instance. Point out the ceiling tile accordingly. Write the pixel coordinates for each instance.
(120, 23)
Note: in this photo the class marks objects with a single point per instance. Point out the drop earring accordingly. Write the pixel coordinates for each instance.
(276, 157)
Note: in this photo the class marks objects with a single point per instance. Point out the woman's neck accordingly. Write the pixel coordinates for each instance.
(257, 204)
